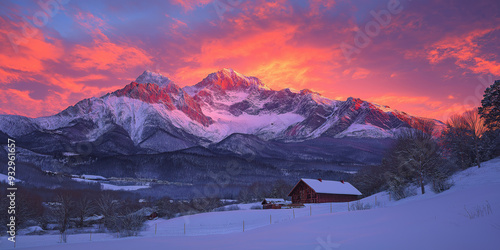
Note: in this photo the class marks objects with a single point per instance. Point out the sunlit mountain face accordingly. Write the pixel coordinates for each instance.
(396, 53)
(153, 127)
(153, 114)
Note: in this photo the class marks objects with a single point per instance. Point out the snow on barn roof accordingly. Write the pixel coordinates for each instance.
(273, 200)
(331, 187)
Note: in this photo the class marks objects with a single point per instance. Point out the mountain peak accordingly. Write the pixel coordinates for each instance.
(228, 70)
(153, 77)
(229, 79)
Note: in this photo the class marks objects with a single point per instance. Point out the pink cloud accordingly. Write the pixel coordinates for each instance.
(266, 54)
(465, 50)
(104, 55)
(360, 73)
(188, 5)
(38, 58)
(318, 6)
(30, 55)
(13, 101)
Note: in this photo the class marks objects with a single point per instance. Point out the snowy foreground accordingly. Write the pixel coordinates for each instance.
(430, 221)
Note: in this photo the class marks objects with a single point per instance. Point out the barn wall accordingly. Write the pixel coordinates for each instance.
(336, 198)
(302, 193)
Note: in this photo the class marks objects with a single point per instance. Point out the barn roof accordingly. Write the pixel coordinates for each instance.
(330, 187)
(274, 200)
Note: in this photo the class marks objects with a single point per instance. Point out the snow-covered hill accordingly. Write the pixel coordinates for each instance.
(430, 221)
(153, 114)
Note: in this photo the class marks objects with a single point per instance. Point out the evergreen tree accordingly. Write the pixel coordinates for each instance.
(490, 109)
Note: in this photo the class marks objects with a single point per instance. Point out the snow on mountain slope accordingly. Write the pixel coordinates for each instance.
(15, 125)
(224, 80)
(148, 125)
(160, 116)
(267, 124)
(430, 221)
(171, 96)
(364, 130)
(152, 77)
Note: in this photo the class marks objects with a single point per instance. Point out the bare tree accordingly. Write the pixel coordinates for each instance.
(130, 224)
(413, 158)
(84, 207)
(108, 207)
(458, 142)
(280, 189)
(62, 212)
(468, 125)
(476, 127)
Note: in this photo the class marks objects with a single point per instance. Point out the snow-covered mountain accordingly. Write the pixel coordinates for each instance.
(153, 114)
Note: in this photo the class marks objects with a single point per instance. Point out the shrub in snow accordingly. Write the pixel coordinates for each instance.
(33, 230)
(403, 191)
(128, 225)
(256, 207)
(441, 185)
(227, 208)
(358, 205)
(219, 209)
(478, 211)
(232, 207)
(50, 226)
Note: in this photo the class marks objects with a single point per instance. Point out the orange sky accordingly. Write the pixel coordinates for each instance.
(427, 58)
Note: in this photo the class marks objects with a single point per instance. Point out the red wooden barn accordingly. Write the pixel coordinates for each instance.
(319, 191)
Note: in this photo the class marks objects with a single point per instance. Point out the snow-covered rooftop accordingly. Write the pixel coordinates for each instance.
(331, 187)
(274, 200)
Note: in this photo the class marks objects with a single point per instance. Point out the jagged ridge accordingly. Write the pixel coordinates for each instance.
(158, 116)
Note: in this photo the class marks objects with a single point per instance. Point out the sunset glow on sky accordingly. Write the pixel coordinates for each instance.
(427, 58)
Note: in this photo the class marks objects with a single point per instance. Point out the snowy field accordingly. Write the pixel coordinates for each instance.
(430, 221)
(106, 186)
